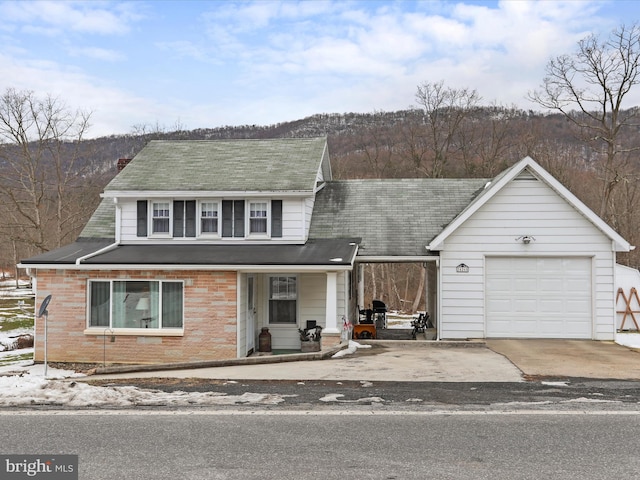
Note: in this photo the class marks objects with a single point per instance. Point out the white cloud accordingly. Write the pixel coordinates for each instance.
(96, 53)
(49, 17)
(265, 62)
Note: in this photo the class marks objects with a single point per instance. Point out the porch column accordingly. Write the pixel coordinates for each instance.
(361, 286)
(331, 319)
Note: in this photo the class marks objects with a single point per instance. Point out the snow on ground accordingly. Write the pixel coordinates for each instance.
(628, 339)
(26, 385)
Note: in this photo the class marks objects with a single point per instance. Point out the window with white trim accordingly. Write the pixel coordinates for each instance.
(136, 304)
(208, 217)
(283, 299)
(160, 215)
(258, 217)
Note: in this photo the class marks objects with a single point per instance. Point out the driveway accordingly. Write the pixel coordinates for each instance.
(385, 361)
(570, 358)
(491, 361)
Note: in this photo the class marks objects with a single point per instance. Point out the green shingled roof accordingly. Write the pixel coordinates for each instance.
(290, 164)
(394, 217)
(102, 223)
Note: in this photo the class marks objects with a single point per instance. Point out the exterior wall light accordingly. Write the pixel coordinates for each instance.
(526, 239)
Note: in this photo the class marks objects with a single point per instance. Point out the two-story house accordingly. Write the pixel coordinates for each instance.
(198, 245)
(195, 246)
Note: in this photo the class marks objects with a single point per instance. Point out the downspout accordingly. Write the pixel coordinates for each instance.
(97, 252)
(438, 302)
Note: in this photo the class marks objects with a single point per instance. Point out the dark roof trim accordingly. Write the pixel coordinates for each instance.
(338, 253)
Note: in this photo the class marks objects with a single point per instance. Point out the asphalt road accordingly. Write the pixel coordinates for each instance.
(191, 444)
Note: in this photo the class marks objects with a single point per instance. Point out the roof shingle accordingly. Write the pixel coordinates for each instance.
(290, 164)
(394, 217)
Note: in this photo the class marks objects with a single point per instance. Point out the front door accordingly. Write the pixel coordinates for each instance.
(251, 313)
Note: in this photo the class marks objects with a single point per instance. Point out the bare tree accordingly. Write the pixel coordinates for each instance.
(43, 170)
(445, 109)
(589, 88)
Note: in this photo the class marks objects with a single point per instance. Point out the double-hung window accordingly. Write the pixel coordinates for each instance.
(258, 217)
(208, 217)
(160, 217)
(283, 299)
(138, 304)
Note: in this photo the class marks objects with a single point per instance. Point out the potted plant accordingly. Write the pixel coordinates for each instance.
(310, 339)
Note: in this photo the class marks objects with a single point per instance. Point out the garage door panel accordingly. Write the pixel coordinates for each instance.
(500, 285)
(525, 306)
(523, 285)
(550, 306)
(538, 297)
(578, 307)
(500, 305)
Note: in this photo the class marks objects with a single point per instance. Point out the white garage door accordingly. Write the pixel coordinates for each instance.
(538, 297)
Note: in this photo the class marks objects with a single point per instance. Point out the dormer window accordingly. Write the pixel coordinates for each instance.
(208, 217)
(258, 217)
(160, 217)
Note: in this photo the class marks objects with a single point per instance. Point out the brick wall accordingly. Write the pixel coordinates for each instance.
(209, 320)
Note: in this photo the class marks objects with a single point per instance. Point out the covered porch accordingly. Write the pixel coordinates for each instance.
(281, 303)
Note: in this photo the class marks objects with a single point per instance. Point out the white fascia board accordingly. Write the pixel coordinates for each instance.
(217, 268)
(397, 259)
(134, 194)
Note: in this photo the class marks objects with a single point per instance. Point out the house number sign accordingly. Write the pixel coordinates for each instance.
(462, 268)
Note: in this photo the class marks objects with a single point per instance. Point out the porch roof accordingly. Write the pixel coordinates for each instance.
(325, 252)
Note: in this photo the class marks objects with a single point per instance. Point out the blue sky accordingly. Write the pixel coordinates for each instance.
(208, 64)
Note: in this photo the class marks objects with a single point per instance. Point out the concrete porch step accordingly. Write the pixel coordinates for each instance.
(394, 334)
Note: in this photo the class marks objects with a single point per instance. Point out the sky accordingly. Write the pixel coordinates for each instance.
(205, 64)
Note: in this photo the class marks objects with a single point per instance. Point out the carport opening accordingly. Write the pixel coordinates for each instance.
(406, 290)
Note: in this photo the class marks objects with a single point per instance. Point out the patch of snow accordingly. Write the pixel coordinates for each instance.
(337, 397)
(351, 349)
(589, 400)
(27, 386)
(631, 340)
(556, 384)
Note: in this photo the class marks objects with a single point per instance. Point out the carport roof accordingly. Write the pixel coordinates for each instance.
(394, 217)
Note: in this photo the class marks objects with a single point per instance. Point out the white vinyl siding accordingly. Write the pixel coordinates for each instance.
(294, 212)
(312, 299)
(522, 207)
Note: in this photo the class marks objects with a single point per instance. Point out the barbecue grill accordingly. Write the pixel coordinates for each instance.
(371, 319)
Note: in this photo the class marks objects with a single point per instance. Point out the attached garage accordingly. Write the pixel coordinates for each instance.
(527, 259)
(539, 297)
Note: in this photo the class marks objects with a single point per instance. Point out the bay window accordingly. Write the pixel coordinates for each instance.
(135, 304)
